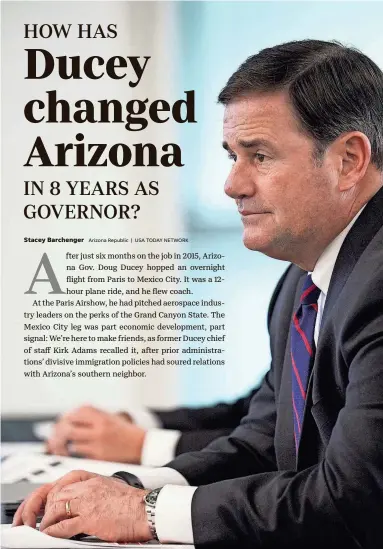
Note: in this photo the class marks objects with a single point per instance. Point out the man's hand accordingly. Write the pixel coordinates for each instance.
(35, 503)
(100, 506)
(98, 435)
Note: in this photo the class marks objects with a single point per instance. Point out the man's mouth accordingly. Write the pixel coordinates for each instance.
(248, 212)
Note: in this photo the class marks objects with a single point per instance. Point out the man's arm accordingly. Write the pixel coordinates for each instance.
(249, 449)
(221, 416)
(192, 441)
(162, 445)
(112, 437)
(190, 429)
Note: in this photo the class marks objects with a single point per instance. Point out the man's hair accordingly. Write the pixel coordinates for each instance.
(333, 89)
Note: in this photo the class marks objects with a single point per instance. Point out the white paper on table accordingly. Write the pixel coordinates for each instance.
(41, 468)
(25, 537)
(8, 448)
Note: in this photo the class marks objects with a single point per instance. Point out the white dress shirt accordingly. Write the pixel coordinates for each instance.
(173, 509)
(159, 444)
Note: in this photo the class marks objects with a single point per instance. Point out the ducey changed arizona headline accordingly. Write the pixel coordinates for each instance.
(136, 114)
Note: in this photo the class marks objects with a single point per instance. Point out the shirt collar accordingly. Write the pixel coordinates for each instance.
(321, 275)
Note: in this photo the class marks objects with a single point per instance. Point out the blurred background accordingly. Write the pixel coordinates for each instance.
(195, 46)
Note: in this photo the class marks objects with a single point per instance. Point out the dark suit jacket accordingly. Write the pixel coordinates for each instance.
(200, 426)
(253, 491)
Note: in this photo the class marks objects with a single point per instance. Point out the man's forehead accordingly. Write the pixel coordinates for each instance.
(266, 110)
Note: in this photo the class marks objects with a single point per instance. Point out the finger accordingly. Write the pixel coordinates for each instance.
(68, 432)
(67, 493)
(81, 433)
(72, 477)
(65, 529)
(56, 512)
(127, 417)
(31, 506)
(58, 446)
(85, 415)
(17, 518)
(29, 510)
(84, 449)
(58, 440)
(16, 521)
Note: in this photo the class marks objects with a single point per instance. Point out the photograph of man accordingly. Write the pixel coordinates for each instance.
(303, 124)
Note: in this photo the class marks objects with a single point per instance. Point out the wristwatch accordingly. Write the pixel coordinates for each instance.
(129, 478)
(150, 500)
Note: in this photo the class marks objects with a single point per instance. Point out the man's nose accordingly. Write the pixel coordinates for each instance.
(239, 183)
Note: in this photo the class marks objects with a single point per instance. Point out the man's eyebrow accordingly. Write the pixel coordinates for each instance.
(253, 143)
(248, 144)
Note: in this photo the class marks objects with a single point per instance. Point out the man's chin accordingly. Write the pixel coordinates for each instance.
(260, 243)
(255, 242)
(272, 247)
(258, 232)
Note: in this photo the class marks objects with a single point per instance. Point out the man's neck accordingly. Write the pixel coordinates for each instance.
(337, 235)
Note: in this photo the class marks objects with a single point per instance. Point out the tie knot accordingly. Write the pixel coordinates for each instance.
(310, 292)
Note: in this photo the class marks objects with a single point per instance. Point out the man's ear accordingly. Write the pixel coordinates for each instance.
(354, 150)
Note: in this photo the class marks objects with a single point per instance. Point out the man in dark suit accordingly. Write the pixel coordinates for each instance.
(304, 125)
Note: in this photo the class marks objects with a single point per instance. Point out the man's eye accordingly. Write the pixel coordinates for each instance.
(261, 157)
(232, 156)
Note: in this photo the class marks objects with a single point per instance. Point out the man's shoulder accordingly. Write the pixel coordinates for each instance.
(369, 267)
(361, 297)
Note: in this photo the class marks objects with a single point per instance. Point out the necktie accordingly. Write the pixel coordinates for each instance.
(302, 350)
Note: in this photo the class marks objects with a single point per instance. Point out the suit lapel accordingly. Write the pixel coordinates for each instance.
(356, 241)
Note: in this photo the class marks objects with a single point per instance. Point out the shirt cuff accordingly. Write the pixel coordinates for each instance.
(158, 477)
(159, 447)
(173, 514)
(144, 418)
